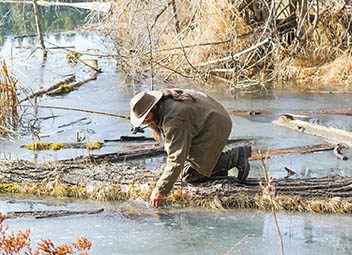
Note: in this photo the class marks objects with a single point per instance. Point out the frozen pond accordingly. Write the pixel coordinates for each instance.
(111, 93)
(170, 231)
(185, 231)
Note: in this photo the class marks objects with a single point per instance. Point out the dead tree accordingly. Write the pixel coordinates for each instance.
(39, 28)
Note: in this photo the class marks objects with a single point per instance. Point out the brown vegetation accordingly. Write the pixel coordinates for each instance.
(8, 101)
(249, 45)
(20, 243)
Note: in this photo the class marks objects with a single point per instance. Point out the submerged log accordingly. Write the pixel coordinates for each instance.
(328, 133)
(48, 214)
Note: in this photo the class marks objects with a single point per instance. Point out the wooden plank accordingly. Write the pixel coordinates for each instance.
(330, 134)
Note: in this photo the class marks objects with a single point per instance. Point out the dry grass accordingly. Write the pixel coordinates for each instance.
(123, 192)
(196, 39)
(8, 101)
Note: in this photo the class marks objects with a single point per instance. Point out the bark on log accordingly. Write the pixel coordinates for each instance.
(328, 133)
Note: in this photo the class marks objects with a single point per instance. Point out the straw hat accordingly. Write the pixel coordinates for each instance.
(141, 104)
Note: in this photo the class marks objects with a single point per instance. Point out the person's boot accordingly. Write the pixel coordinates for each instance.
(243, 165)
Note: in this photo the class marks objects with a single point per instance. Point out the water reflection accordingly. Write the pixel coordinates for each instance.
(18, 19)
(187, 231)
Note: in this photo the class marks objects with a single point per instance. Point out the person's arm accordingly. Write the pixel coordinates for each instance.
(177, 145)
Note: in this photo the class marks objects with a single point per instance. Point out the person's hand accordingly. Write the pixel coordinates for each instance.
(156, 199)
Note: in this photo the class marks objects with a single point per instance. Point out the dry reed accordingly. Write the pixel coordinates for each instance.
(8, 101)
(249, 45)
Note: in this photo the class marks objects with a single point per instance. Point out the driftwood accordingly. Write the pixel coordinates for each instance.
(48, 214)
(331, 134)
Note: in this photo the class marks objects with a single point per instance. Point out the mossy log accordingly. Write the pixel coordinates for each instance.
(124, 181)
(67, 88)
(51, 88)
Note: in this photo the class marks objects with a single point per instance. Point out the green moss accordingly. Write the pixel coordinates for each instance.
(65, 88)
(94, 145)
(72, 56)
(38, 146)
(6, 188)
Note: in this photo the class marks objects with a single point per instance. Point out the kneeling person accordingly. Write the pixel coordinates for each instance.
(195, 128)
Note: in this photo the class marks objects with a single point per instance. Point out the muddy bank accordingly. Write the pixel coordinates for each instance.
(128, 180)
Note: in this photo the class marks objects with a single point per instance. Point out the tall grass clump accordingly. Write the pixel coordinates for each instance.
(8, 101)
(248, 45)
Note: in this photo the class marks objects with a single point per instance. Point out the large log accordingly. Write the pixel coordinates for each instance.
(328, 133)
(159, 151)
(123, 181)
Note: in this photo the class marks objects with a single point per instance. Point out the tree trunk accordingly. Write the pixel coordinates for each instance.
(39, 28)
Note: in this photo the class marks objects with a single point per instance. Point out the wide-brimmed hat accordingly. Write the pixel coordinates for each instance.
(141, 104)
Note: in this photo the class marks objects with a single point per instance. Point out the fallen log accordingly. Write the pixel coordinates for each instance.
(330, 194)
(49, 214)
(330, 134)
(51, 88)
(159, 151)
(343, 112)
(67, 88)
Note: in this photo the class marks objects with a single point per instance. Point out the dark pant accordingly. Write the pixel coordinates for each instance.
(228, 159)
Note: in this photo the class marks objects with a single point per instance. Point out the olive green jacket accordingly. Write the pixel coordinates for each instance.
(193, 131)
